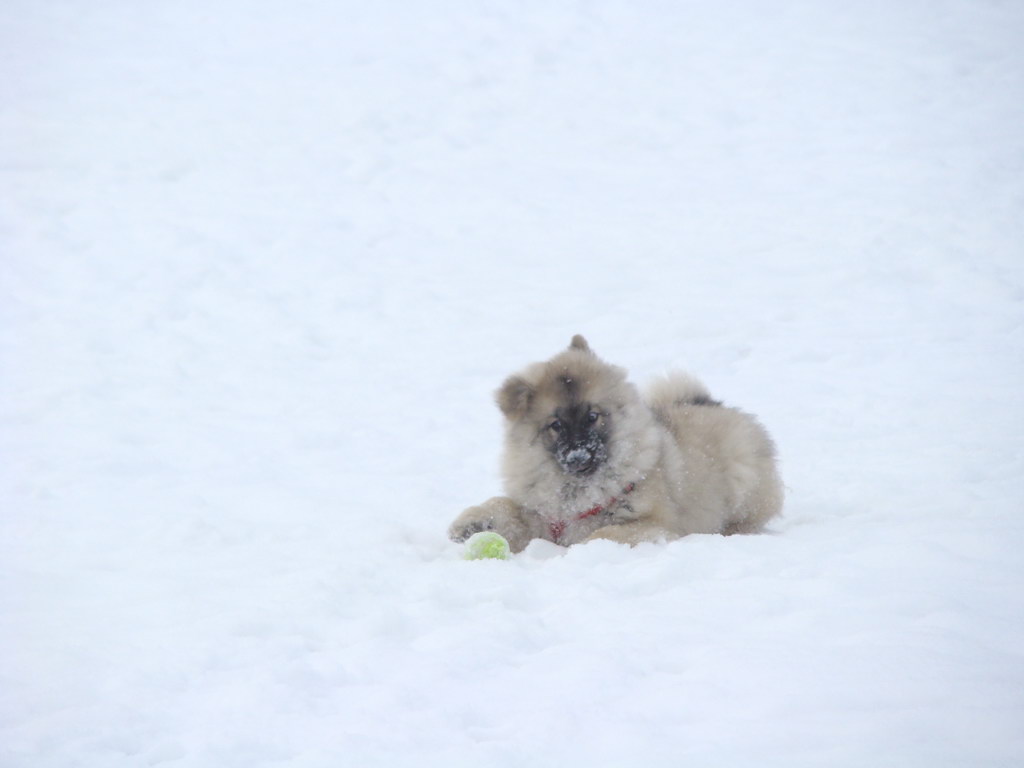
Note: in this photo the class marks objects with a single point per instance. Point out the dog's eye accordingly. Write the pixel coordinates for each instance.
(555, 426)
(593, 416)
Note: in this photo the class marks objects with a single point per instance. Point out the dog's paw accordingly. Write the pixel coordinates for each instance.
(501, 515)
(461, 530)
(483, 517)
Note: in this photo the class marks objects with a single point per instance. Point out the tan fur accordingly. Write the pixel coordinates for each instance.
(678, 462)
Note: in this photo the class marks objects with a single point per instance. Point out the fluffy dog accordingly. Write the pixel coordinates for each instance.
(586, 457)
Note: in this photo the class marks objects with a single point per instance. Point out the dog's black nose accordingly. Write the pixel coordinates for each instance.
(578, 460)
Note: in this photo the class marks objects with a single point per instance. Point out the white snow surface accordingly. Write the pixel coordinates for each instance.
(264, 264)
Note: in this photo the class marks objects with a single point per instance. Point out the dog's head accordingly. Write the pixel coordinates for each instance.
(566, 406)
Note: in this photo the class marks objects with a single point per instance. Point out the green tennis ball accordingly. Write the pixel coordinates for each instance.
(486, 545)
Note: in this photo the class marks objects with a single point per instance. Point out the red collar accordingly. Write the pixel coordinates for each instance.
(558, 528)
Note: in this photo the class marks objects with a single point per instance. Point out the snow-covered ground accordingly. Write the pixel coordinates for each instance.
(263, 264)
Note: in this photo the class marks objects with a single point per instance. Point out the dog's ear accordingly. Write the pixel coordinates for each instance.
(578, 342)
(515, 396)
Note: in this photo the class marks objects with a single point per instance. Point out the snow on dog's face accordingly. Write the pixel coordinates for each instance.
(576, 438)
(567, 407)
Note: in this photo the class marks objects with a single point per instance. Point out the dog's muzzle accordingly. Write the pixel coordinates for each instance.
(581, 459)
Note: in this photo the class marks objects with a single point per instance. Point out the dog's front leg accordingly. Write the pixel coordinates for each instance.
(501, 515)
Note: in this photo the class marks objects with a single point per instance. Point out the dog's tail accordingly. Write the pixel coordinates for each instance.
(677, 390)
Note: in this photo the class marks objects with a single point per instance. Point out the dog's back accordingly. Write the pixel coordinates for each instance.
(728, 466)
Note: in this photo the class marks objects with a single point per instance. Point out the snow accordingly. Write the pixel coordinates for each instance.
(264, 265)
